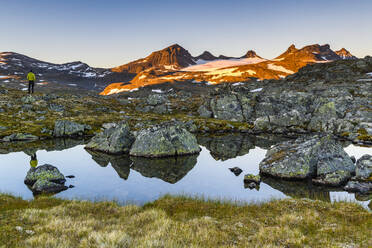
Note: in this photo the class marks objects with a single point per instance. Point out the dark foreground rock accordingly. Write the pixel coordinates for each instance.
(164, 141)
(114, 140)
(321, 158)
(45, 179)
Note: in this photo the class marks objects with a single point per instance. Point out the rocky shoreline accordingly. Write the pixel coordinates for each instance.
(318, 106)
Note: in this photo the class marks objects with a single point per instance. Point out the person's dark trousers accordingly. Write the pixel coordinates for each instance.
(31, 87)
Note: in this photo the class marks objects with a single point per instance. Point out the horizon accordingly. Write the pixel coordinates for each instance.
(73, 32)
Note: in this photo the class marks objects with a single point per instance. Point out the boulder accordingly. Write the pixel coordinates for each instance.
(324, 117)
(334, 179)
(20, 137)
(47, 187)
(204, 112)
(156, 99)
(45, 179)
(164, 140)
(28, 99)
(363, 169)
(317, 157)
(361, 187)
(227, 107)
(65, 128)
(114, 140)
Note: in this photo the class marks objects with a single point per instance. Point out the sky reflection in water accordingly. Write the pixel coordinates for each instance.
(146, 180)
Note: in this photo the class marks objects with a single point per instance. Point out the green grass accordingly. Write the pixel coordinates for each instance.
(183, 222)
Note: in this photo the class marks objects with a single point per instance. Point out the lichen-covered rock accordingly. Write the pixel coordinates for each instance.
(114, 140)
(65, 128)
(227, 107)
(363, 169)
(28, 99)
(46, 171)
(163, 141)
(361, 187)
(20, 137)
(335, 178)
(156, 99)
(204, 112)
(45, 179)
(45, 186)
(324, 117)
(309, 157)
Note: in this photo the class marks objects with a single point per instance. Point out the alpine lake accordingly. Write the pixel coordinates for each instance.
(133, 180)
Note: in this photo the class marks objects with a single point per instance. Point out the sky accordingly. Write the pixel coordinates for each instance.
(114, 32)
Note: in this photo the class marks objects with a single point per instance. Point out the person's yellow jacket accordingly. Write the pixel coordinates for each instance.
(31, 76)
(33, 163)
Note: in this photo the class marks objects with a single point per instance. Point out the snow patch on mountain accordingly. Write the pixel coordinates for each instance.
(203, 65)
(256, 90)
(279, 68)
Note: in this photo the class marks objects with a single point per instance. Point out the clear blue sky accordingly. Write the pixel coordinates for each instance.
(112, 32)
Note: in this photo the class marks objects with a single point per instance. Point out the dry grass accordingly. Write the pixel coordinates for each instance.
(182, 222)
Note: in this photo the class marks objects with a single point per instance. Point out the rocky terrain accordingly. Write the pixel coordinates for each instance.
(318, 107)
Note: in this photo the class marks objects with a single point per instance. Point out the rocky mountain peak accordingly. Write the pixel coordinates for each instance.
(206, 55)
(174, 55)
(251, 54)
(292, 48)
(345, 54)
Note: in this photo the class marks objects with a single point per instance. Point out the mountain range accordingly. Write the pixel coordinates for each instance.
(172, 64)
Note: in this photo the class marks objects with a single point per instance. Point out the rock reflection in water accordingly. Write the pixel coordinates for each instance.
(31, 147)
(120, 163)
(232, 145)
(300, 189)
(170, 169)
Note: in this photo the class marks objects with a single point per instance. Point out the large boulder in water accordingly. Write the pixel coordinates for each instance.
(317, 157)
(114, 140)
(65, 128)
(45, 179)
(163, 141)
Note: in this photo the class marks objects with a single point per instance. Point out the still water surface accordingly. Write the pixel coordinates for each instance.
(102, 177)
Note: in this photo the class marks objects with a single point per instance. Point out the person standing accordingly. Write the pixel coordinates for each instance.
(31, 82)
